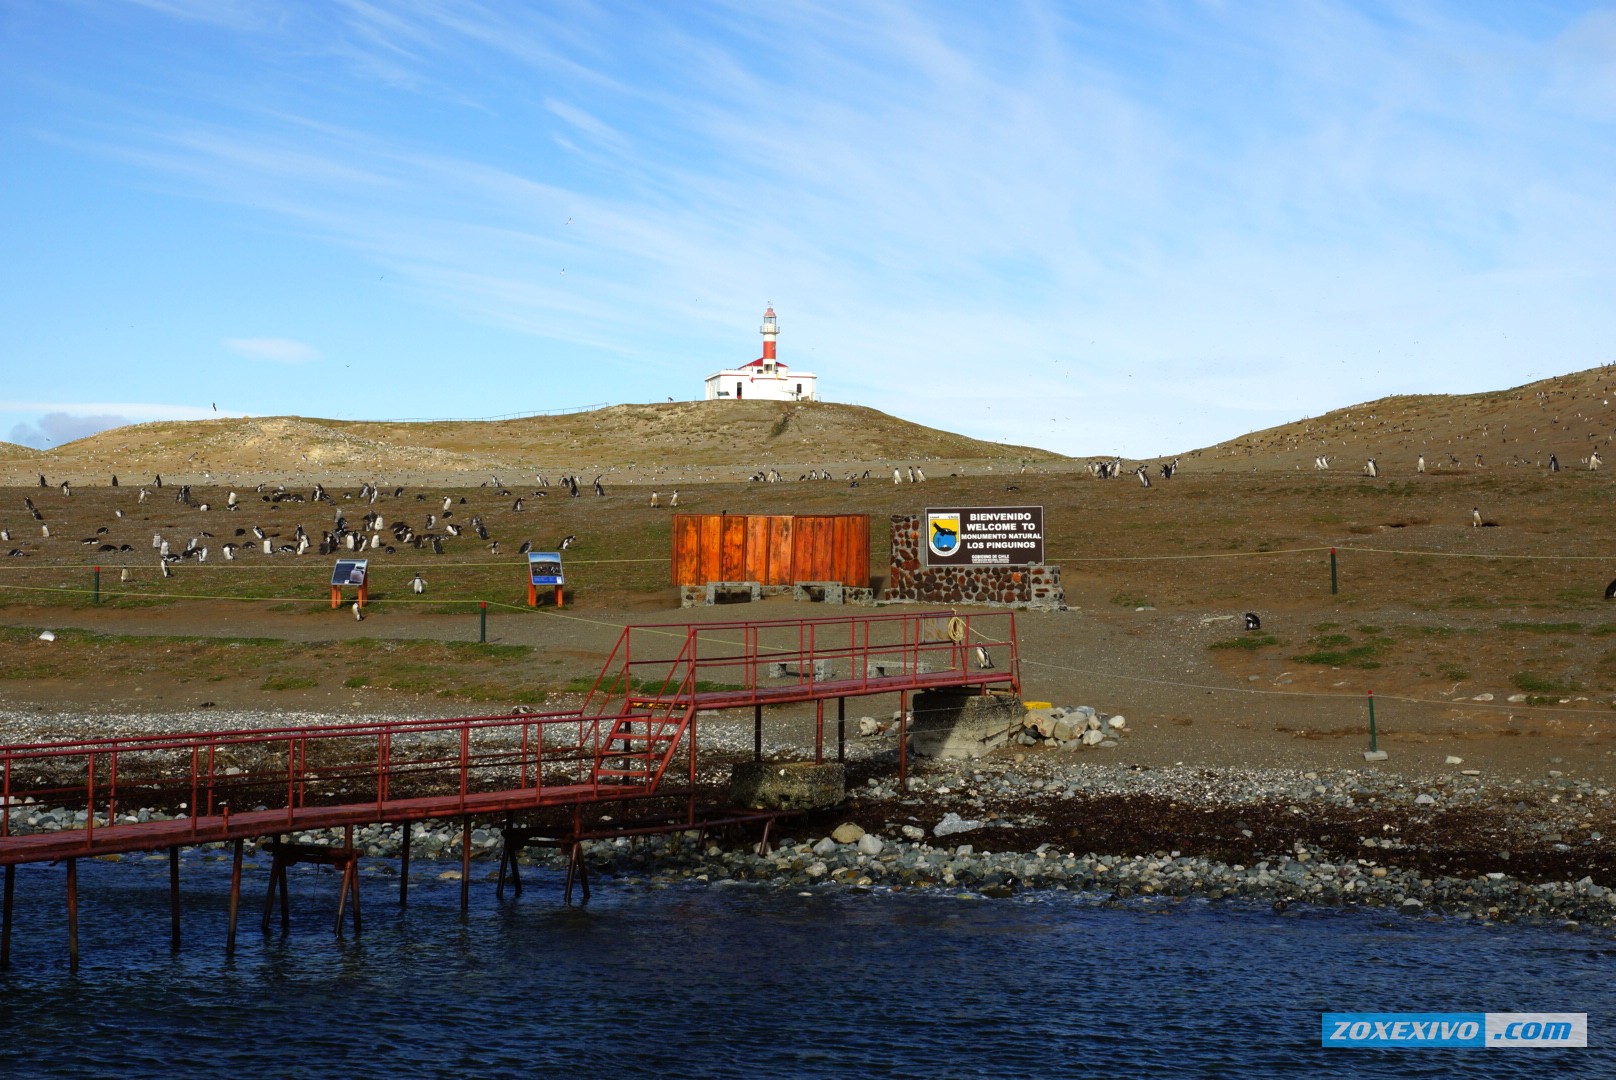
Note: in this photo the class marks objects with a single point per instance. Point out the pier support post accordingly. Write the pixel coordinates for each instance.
(174, 898)
(903, 740)
(404, 864)
(577, 871)
(757, 732)
(819, 731)
(350, 881)
(465, 869)
(235, 898)
(277, 876)
(841, 729)
(73, 914)
(5, 916)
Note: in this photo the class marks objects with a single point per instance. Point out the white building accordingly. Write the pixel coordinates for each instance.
(764, 379)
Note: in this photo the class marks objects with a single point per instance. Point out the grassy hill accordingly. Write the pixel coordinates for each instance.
(1568, 416)
(701, 440)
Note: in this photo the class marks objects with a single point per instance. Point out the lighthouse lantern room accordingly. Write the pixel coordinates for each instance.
(766, 378)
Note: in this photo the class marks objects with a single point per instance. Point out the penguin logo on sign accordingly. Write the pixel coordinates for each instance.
(942, 533)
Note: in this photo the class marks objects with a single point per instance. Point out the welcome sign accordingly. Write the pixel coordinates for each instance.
(984, 536)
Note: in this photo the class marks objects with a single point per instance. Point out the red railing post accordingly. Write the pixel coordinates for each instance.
(465, 762)
(90, 802)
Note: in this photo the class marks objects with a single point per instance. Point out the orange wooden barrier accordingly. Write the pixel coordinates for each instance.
(773, 549)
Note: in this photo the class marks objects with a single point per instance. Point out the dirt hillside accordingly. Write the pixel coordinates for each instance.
(1568, 416)
(719, 437)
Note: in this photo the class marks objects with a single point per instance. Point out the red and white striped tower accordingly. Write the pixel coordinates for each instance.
(770, 332)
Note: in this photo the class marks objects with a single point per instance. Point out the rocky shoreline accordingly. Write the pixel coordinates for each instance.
(1455, 846)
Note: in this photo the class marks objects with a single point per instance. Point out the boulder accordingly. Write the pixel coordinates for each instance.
(870, 844)
(847, 833)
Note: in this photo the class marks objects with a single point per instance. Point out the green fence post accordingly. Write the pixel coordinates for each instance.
(1334, 588)
(1372, 746)
(482, 622)
(95, 597)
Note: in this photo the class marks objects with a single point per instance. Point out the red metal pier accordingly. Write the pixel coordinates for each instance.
(619, 747)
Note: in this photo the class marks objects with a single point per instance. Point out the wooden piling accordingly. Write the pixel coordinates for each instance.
(73, 913)
(174, 898)
(5, 916)
(235, 899)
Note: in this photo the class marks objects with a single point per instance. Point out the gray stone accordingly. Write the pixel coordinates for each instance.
(827, 846)
(952, 823)
(870, 844)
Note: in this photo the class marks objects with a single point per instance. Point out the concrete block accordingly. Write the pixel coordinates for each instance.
(794, 785)
(822, 669)
(960, 724)
(829, 592)
(894, 666)
(752, 589)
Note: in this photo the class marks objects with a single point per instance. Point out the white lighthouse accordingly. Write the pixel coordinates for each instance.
(766, 378)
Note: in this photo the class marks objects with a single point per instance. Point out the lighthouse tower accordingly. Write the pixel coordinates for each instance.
(766, 378)
(770, 330)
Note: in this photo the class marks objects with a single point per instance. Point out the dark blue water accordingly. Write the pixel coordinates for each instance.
(751, 981)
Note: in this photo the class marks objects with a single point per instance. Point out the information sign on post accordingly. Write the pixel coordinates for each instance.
(544, 568)
(352, 572)
(984, 536)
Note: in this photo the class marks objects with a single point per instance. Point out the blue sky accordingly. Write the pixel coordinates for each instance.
(1094, 227)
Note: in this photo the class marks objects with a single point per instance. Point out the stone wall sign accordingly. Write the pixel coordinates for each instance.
(984, 536)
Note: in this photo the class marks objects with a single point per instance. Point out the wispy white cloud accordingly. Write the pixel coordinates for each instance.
(1163, 223)
(134, 411)
(280, 350)
(56, 428)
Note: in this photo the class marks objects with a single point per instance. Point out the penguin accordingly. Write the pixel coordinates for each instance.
(983, 660)
(358, 612)
(418, 585)
(1252, 621)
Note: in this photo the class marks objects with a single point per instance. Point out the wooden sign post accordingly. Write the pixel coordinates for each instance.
(350, 572)
(544, 568)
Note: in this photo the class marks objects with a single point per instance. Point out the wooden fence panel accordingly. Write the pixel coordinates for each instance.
(733, 556)
(775, 549)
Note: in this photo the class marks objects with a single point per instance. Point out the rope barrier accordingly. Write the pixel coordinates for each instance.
(312, 567)
(1325, 694)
